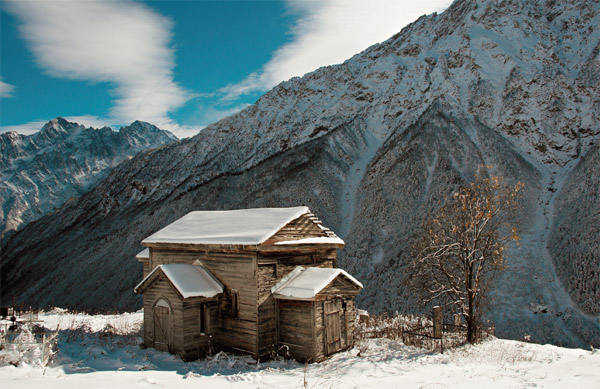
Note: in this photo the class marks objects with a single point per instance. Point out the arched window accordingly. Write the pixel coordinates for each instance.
(162, 302)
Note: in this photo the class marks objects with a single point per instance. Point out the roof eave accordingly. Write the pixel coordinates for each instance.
(202, 246)
(300, 247)
(284, 297)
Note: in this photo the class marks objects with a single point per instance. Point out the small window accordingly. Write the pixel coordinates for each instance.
(234, 303)
(161, 302)
(204, 319)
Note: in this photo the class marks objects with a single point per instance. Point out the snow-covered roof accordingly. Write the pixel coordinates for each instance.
(305, 283)
(189, 280)
(236, 227)
(144, 254)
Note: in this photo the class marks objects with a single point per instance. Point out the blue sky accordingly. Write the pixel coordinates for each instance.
(179, 64)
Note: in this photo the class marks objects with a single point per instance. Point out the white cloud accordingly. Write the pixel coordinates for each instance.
(6, 90)
(96, 122)
(24, 129)
(183, 132)
(121, 42)
(35, 126)
(331, 31)
(204, 114)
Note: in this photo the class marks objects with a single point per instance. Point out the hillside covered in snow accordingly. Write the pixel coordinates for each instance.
(63, 160)
(373, 146)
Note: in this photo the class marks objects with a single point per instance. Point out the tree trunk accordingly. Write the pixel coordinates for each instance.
(471, 317)
(471, 321)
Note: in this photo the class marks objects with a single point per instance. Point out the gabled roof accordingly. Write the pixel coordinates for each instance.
(189, 280)
(236, 227)
(144, 254)
(305, 284)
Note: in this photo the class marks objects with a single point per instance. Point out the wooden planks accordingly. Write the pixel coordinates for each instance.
(234, 270)
(145, 266)
(296, 328)
(162, 289)
(302, 227)
(341, 286)
(198, 343)
(271, 269)
(261, 323)
(333, 317)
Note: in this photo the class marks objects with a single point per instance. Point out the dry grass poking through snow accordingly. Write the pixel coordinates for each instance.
(104, 351)
(411, 330)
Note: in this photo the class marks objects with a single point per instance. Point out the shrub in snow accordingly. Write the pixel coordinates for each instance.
(23, 346)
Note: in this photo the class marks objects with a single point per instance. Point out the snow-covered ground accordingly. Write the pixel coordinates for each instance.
(102, 351)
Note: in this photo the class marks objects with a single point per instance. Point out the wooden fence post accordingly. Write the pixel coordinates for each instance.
(457, 322)
(437, 322)
(437, 326)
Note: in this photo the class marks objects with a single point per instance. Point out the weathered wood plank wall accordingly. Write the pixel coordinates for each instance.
(161, 288)
(271, 269)
(295, 328)
(237, 269)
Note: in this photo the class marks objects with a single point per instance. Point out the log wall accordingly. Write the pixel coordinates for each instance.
(296, 328)
(145, 266)
(251, 271)
(350, 321)
(198, 344)
(235, 270)
(341, 286)
(272, 267)
(303, 227)
(319, 341)
(162, 288)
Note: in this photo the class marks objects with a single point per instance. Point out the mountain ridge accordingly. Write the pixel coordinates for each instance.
(64, 159)
(371, 145)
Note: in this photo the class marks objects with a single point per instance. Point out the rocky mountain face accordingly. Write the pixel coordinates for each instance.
(63, 160)
(373, 146)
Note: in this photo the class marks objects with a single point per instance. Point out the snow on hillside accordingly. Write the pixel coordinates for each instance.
(373, 146)
(102, 351)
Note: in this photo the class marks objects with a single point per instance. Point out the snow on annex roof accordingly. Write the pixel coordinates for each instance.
(189, 280)
(236, 227)
(144, 254)
(305, 284)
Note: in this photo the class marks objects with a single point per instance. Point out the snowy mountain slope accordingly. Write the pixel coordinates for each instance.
(371, 146)
(573, 241)
(41, 171)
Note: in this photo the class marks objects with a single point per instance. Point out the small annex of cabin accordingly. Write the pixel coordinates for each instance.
(184, 303)
(213, 281)
(316, 312)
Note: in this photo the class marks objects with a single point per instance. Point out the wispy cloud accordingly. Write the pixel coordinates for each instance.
(85, 120)
(330, 31)
(6, 90)
(24, 129)
(120, 42)
(180, 131)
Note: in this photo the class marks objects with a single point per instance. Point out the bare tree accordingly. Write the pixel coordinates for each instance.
(462, 248)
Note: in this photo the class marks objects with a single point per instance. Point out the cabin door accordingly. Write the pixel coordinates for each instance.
(162, 325)
(335, 325)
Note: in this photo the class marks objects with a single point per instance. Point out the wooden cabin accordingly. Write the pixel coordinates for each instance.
(257, 281)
